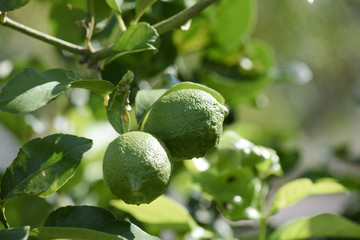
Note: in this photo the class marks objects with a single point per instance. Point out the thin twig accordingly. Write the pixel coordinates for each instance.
(2, 17)
(140, 14)
(180, 18)
(70, 47)
(121, 23)
(2, 214)
(90, 28)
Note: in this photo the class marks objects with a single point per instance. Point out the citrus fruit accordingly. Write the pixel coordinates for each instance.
(188, 121)
(137, 167)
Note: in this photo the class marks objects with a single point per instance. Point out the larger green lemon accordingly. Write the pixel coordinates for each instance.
(188, 121)
(137, 167)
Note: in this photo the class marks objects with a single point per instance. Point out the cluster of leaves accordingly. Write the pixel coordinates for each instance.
(216, 51)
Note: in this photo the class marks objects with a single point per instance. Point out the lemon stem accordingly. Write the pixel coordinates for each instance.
(2, 214)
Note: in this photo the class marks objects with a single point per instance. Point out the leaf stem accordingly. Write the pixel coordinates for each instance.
(183, 16)
(140, 14)
(2, 17)
(263, 226)
(90, 28)
(2, 214)
(121, 23)
(264, 214)
(70, 47)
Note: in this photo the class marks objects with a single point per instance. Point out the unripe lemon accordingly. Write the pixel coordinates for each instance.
(137, 167)
(188, 121)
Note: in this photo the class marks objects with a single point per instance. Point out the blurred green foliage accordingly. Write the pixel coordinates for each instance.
(288, 72)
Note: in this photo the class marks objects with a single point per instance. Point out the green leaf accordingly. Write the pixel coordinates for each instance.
(24, 211)
(62, 22)
(236, 191)
(10, 5)
(115, 4)
(81, 4)
(234, 82)
(295, 190)
(138, 38)
(230, 32)
(42, 166)
(69, 17)
(72, 233)
(73, 219)
(236, 152)
(102, 87)
(142, 6)
(119, 104)
(17, 125)
(162, 213)
(320, 226)
(144, 100)
(20, 233)
(30, 90)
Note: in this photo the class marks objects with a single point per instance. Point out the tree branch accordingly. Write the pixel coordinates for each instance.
(70, 47)
(90, 56)
(180, 18)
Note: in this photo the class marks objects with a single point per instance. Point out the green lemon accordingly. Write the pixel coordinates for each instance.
(188, 121)
(137, 167)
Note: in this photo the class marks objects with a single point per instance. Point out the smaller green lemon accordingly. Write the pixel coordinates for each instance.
(137, 167)
(188, 121)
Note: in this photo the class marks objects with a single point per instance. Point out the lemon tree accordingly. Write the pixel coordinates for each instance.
(131, 87)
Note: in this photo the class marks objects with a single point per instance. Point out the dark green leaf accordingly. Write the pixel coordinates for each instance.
(239, 83)
(102, 87)
(10, 5)
(118, 107)
(30, 90)
(81, 4)
(320, 226)
(69, 21)
(72, 219)
(20, 233)
(42, 166)
(142, 6)
(295, 190)
(144, 100)
(72, 233)
(163, 213)
(115, 4)
(63, 23)
(138, 38)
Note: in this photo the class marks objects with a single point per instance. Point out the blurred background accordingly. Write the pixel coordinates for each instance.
(310, 113)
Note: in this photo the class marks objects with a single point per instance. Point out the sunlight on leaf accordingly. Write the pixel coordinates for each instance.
(295, 190)
(324, 225)
(162, 213)
(42, 166)
(30, 90)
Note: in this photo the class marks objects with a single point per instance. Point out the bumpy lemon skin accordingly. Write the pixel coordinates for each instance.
(188, 121)
(137, 167)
